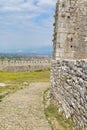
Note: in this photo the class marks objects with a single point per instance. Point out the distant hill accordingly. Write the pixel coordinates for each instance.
(43, 51)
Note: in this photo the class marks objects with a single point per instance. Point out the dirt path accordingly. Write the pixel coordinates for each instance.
(24, 109)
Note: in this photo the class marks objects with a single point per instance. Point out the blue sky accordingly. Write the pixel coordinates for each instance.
(26, 24)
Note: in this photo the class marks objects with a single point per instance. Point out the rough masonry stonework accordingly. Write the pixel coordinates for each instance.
(69, 89)
(69, 63)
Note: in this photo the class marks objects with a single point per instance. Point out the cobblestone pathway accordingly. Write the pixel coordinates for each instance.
(24, 109)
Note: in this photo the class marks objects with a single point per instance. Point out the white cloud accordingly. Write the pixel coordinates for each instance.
(46, 2)
(18, 10)
(29, 18)
(17, 5)
(10, 9)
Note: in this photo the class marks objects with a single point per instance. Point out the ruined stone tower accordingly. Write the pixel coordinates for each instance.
(69, 63)
(70, 29)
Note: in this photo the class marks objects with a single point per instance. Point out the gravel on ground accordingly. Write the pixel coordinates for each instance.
(24, 110)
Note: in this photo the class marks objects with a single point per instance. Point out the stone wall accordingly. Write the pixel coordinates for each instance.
(69, 69)
(69, 89)
(70, 30)
(25, 65)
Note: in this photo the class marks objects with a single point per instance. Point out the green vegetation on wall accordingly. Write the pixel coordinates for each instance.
(55, 22)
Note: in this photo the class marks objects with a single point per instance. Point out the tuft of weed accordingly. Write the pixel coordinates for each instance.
(51, 113)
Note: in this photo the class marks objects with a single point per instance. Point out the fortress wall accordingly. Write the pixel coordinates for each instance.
(24, 65)
(70, 30)
(69, 89)
(69, 77)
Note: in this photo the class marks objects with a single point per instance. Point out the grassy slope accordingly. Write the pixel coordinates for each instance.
(15, 80)
(54, 118)
(18, 77)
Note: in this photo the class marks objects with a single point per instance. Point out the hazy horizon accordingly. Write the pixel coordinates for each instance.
(44, 50)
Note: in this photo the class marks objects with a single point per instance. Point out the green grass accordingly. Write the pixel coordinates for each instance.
(18, 77)
(51, 113)
(15, 80)
(4, 91)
